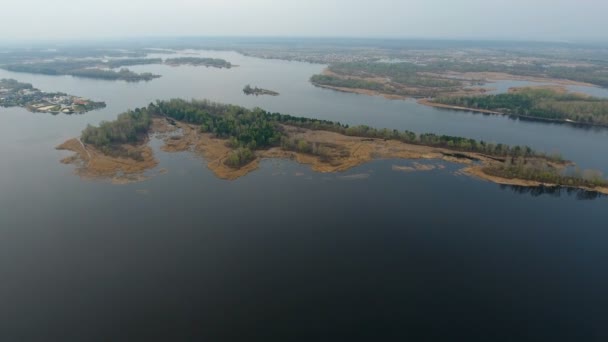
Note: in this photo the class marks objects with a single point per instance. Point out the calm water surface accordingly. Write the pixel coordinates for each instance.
(286, 253)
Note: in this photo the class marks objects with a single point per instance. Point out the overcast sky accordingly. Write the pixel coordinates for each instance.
(556, 20)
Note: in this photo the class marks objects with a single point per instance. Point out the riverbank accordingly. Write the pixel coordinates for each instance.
(430, 103)
(477, 172)
(548, 100)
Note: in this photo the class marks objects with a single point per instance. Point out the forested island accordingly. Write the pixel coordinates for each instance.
(103, 69)
(248, 90)
(16, 94)
(86, 68)
(233, 139)
(545, 103)
(199, 61)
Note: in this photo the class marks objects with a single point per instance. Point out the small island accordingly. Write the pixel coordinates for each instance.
(199, 61)
(550, 103)
(234, 139)
(17, 94)
(248, 90)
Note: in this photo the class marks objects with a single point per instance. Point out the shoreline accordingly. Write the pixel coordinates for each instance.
(477, 172)
(430, 103)
(348, 153)
(361, 91)
(487, 77)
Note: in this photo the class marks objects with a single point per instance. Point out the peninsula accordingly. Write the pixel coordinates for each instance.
(17, 94)
(83, 68)
(551, 103)
(234, 139)
(433, 78)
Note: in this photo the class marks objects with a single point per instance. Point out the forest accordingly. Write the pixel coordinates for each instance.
(542, 103)
(129, 128)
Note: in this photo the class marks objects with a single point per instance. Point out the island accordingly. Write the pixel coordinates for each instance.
(199, 61)
(16, 94)
(234, 139)
(550, 103)
(248, 90)
(97, 69)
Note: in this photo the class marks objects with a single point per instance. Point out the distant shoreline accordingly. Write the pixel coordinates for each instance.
(429, 103)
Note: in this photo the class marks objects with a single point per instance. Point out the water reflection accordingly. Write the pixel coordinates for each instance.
(554, 191)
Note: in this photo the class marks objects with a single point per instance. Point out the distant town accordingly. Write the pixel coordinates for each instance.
(17, 94)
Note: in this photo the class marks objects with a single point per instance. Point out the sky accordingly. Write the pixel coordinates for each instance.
(551, 20)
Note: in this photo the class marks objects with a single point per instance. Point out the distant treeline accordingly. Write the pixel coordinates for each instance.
(249, 90)
(100, 69)
(211, 62)
(14, 85)
(589, 74)
(540, 103)
(117, 63)
(87, 69)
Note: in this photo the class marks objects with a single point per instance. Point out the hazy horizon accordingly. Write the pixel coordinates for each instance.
(517, 20)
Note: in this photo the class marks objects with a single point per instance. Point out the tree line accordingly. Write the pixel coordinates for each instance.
(538, 103)
(205, 61)
(88, 69)
(129, 128)
(540, 171)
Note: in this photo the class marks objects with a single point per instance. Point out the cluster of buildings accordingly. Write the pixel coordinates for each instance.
(38, 101)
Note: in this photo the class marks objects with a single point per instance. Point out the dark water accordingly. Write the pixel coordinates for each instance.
(286, 253)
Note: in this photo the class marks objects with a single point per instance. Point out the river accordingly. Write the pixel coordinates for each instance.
(371, 252)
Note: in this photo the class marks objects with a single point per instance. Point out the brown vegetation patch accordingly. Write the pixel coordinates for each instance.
(417, 167)
(94, 164)
(477, 171)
